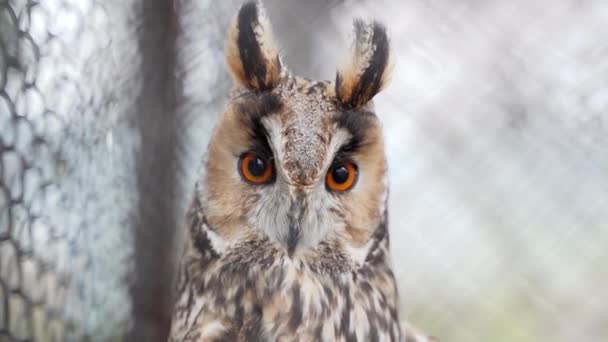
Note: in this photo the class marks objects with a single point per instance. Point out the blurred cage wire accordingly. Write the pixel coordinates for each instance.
(496, 124)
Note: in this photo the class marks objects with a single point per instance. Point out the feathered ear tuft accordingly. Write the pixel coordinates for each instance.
(251, 53)
(368, 69)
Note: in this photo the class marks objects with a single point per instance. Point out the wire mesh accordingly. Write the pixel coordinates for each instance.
(66, 176)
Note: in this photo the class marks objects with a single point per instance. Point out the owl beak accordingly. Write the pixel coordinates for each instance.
(293, 235)
(294, 230)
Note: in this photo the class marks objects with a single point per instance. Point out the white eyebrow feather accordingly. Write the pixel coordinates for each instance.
(336, 141)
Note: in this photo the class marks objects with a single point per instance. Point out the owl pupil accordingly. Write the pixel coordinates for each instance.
(256, 167)
(340, 174)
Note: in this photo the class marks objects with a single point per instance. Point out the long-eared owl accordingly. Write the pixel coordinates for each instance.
(287, 235)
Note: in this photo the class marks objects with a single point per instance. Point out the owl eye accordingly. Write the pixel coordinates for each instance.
(341, 177)
(255, 169)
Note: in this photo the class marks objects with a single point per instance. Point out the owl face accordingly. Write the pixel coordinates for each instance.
(296, 161)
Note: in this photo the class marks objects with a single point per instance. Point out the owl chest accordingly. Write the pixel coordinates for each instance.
(282, 304)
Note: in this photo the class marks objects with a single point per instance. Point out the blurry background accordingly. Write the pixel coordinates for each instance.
(496, 124)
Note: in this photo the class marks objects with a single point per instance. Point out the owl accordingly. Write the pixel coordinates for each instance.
(287, 235)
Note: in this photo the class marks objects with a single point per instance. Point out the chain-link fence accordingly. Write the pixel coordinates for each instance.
(496, 124)
(67, 172)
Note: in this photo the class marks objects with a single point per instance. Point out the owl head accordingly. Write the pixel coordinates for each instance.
(300, 163)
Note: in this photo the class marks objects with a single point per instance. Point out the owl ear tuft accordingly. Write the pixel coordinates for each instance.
(251, 52)
(368, 69)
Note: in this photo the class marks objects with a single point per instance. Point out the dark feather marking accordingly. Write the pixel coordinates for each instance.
(366, 287)
(252, 58)
(393, 312)
(319, 332)
(267, 261)
(231, 334)
(373, 333)
(366, 271)
(260, 138)
(275, 282)
(370, 81)
(339, 86)
(190, 303)
(239, 311)
(331, 299)
(265, 104)
(220, 297)
(345, 315)
(296, 309)
(252, 111)
(199, 238)
(252, 329)
(192, 329)
(375, 255)
(183, 280)
(203, 245)
(357, 124)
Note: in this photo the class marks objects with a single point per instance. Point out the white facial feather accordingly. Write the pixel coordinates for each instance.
(271, 214)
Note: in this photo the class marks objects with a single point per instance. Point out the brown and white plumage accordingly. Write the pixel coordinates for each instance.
(292, 258)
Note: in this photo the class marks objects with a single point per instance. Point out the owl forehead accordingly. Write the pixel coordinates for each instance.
(306, 125)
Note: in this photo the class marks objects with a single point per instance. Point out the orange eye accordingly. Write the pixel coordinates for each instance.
(255, 169)
(341, 177)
